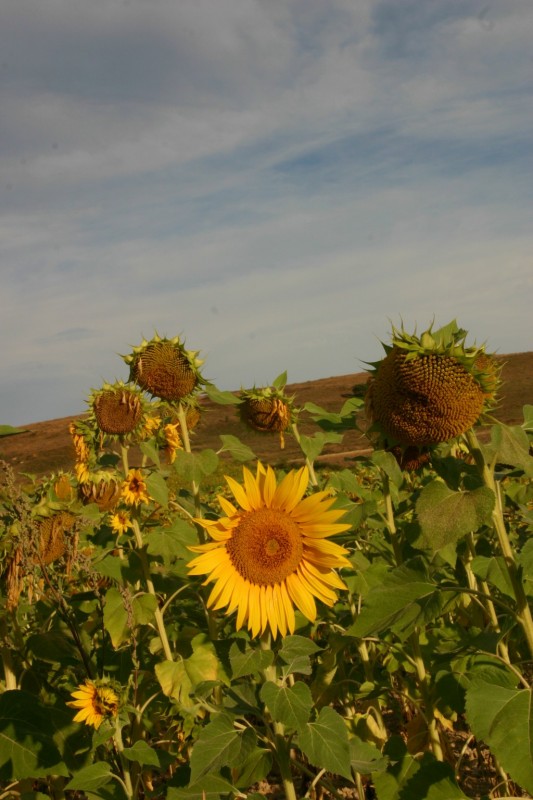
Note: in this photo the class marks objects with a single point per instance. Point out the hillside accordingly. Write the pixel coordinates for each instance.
(46, 446)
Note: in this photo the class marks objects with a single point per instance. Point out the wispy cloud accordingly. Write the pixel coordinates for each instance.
(272, 180)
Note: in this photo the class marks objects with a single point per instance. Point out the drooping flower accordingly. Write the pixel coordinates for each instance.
(52, 541)
(118, 409)
(273, 553)
(102, 488)
(121, 522)
(164, 368)
(134, 490)
(430, 388)
(267, 409)
(96, 701)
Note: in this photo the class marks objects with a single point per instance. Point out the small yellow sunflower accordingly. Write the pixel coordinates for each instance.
(134, 489)
(273, 552)
(96, 701)
(121, 522)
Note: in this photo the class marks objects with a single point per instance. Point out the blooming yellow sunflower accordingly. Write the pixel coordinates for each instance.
(273, 552)
(121, 522)
(96, 701)
(134, 489)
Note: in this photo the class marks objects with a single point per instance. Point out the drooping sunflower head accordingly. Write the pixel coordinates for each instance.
(96, 700)
(62, 486)
(52, 539)
(272, 552)
(267, 409)
(101, 487)
(117, 409)
(430, 388)
(164, 368)
(83, 439)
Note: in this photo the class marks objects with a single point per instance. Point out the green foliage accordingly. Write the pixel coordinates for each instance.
(430, 642)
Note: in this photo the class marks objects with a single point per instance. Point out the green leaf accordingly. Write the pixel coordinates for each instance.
(151, 451)
(290, 705)
(209, 787)
(433, 781)
(502, 717)
(446, 516)
(402, 601)
(143, 608)
(312, 446)
(174, 681)
(171, 542)
(402, 766)
(237, 450)
(157, 488)
(281, 381)
(219, 397)
(528, 417)
(295, 652)
(8, 430)
(247, 661)
(386, 462)
(91, 778)
(494, 571)
(116, 617)
(27, 749)
(218, 745)
(142, 753)
(204, 663)
(254, 768)
(325, 743)
(193, 466)
(365, 758)
(510, 445)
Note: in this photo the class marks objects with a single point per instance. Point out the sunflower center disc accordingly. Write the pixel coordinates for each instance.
(266, 546)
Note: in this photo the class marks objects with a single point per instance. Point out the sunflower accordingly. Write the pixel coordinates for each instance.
(164, 368)
(430, 388)
(267, 410)
(134, 489)
(96, 701)
(52, 541)
(121, 522)
(118, 410)
(102, 488)
(272, 553)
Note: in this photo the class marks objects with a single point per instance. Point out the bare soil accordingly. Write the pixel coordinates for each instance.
(46, 446)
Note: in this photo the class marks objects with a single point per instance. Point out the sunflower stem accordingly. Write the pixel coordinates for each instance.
(184, 430)
(127, 782)
(487, 475)
(158, 616)
(414, 639)
(125, 460)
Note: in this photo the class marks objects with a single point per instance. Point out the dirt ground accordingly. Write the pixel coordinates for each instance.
(46, 446)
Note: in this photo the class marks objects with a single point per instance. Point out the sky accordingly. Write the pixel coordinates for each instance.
(276, 181)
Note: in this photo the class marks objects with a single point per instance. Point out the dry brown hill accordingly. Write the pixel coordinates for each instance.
(46, 446)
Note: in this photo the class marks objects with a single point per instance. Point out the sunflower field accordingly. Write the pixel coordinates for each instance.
(196, 624)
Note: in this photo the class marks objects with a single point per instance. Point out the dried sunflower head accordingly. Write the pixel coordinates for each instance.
(102, 488)
(430, 388)
(118, 409)
(267, 409)
(52, 540)
(164, 368)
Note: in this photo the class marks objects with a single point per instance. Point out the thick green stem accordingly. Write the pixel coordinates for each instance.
(487, 475)
(280, 743)
(389, 517)
(476, 585)
(158, 616)
(127, 785)
(414, 639)
(308, 462)
(423, 685)
(184, 432)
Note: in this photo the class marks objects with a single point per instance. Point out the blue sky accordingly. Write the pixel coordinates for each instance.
(275, 180)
